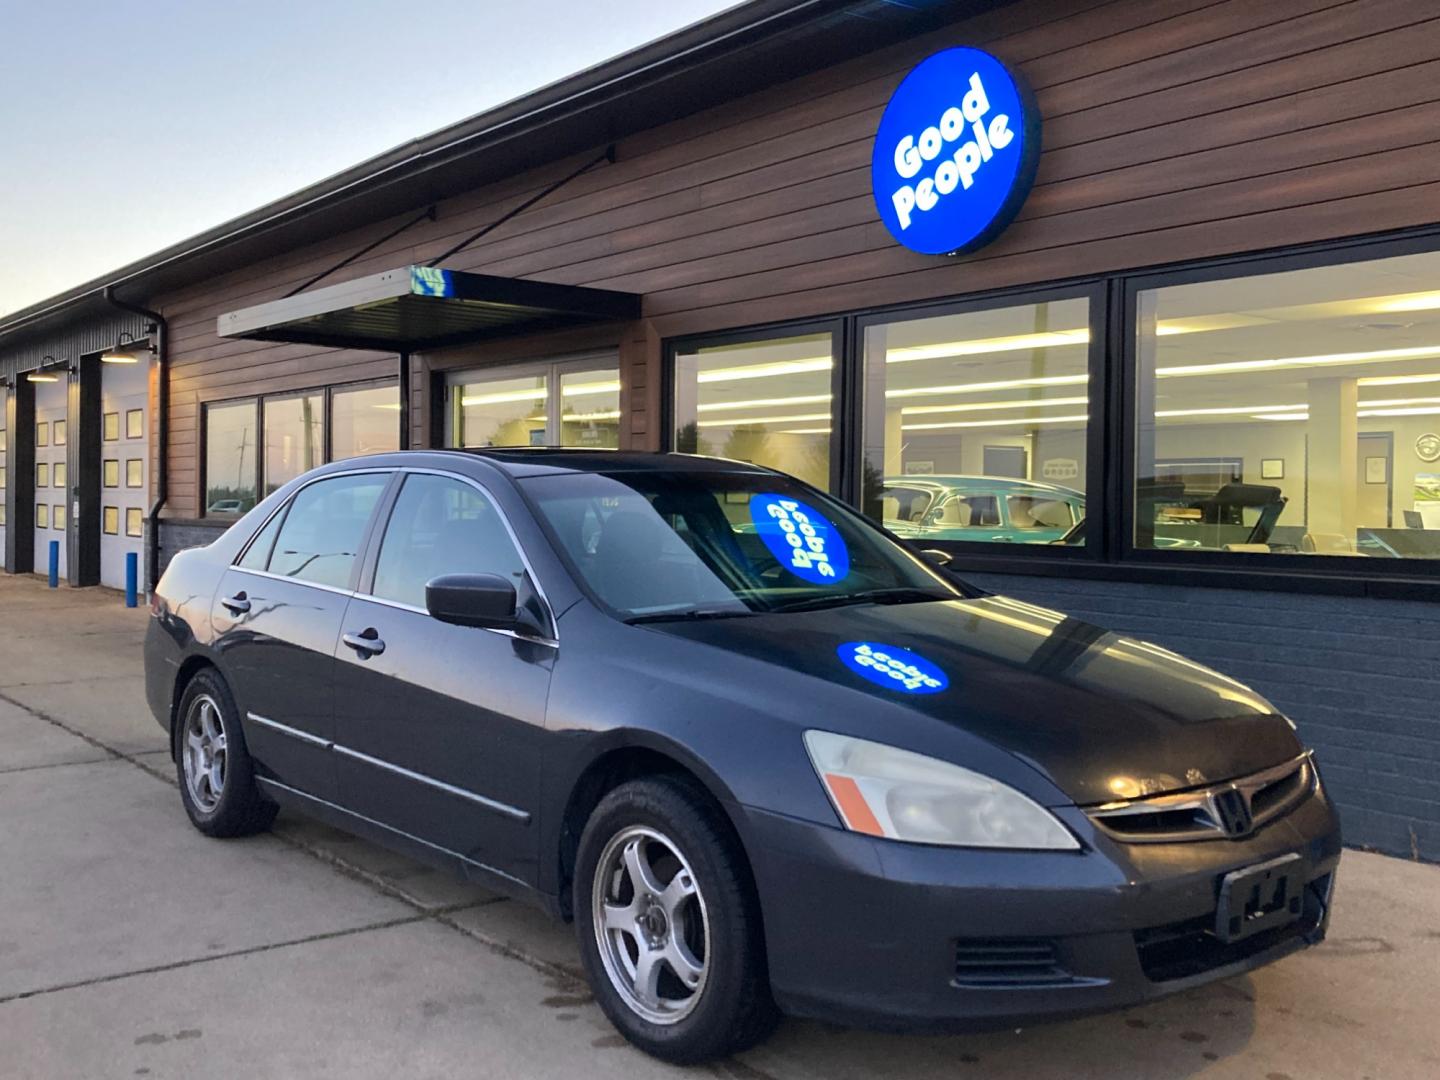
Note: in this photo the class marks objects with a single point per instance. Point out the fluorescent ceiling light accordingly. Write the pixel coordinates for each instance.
(1323, 360)
(765, 371)
(981, 406)
(1048, 340)
(1396, 380)
(763, 403)
(1422, 301)
(1236, 410)
(572, 389)
(393, 406)
(1431, 411)
(568, 418)
(1003, 384)
(1012, 422)
(805, 431)
(1282, 416)
(738, 420)
(503, 397)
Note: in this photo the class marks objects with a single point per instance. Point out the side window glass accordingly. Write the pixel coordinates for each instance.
(319, 540)
(441, 526)
(257, 555)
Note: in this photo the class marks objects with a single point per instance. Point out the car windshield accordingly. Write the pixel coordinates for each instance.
(663, 545)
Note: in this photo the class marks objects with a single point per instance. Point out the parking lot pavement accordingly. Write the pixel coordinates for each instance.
(132, 946)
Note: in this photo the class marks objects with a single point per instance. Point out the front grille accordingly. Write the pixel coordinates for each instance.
(996, 962)
(1235, 808)
(1184, 949)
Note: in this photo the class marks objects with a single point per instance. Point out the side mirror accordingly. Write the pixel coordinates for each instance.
(485, 600)
(936, 557)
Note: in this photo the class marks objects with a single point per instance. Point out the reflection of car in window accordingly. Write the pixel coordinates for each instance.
(979, 508)
(1237, 517)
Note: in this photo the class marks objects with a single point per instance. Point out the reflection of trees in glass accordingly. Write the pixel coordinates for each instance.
(747, 442)
(872, 490)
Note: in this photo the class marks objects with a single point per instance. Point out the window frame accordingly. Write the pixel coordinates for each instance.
(841, 430)
(1109, 553)
(553, 371)
(327, 391)
(1379, 577)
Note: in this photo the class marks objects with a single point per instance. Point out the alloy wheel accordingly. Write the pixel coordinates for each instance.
(651, 925)
(204, 753)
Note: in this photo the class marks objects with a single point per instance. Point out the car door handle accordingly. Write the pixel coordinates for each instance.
(236, 605)
(367, 641)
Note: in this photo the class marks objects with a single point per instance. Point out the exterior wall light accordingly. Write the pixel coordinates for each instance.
(123, 352)
(43, 376)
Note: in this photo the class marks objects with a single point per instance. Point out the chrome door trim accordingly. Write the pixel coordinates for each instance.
(440, 785)
(515, 812)
(297, 793)
(293, 581)
(286, 729)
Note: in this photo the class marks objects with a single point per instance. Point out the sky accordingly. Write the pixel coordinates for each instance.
(128, 125)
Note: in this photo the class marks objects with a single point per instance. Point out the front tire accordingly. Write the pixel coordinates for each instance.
(668, 924)
(217, 778)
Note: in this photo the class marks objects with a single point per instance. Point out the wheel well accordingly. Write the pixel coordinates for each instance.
(603, 775)
(188, 670)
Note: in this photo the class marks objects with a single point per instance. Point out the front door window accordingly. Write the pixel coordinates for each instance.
(570, 403)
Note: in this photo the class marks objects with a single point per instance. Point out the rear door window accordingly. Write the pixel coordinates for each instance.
(320, 539)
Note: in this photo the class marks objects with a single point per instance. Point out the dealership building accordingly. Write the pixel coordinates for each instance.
(1131, 306)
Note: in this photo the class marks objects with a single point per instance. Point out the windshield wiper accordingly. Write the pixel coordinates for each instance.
(689, 615)
(903, 595)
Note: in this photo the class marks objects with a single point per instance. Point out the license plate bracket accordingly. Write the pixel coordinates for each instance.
(1262, 897)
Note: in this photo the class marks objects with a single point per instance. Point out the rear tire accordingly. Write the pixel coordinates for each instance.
(668, 923)
(217, 777)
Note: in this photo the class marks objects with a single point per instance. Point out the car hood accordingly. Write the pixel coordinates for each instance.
(1103, 716)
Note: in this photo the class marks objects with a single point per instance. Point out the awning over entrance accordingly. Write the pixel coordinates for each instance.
(422, 307)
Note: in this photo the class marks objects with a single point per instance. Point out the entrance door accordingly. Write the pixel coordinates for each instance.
(573, 402)
(124, 453)
(1374, 480)
(52, 481)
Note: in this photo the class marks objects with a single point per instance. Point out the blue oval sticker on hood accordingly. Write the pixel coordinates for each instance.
(893, 668)
(801, 538)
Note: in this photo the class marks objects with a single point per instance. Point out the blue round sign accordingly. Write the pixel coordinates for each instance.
(892, 667)
(801, 538)
(955, 154)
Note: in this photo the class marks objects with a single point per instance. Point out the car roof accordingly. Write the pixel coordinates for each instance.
(523, 461)
(981, 482)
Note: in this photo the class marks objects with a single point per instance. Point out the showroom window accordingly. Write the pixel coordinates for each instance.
(557, 403)
(364, 420)
(1293, 413)
(230, 471)
(293, 429)
(294, 437)
(769, 401)
(976, 424)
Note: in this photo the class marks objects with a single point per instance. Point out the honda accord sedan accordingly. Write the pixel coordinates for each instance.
(766, 757)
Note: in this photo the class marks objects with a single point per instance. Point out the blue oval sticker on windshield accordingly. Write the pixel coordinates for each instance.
(801, 537)
(893, 668)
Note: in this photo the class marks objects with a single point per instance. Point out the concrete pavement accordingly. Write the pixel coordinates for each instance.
(130, 945)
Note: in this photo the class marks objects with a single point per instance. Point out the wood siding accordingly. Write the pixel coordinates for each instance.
(1174, 130)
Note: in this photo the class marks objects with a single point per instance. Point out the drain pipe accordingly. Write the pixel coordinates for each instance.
(162, 427)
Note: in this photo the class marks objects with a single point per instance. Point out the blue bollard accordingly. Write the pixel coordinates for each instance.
(54, 564)
(132, 574)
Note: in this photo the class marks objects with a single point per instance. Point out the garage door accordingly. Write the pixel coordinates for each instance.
(125, 461)
(52, 484)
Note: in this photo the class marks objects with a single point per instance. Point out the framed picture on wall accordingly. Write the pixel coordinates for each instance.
(1272, 468)
(110, 521)
(1377, 470)
(112, 426)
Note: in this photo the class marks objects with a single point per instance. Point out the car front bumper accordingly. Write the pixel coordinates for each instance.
(882, 934)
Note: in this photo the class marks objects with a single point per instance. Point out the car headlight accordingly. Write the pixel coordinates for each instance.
(884, 791)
